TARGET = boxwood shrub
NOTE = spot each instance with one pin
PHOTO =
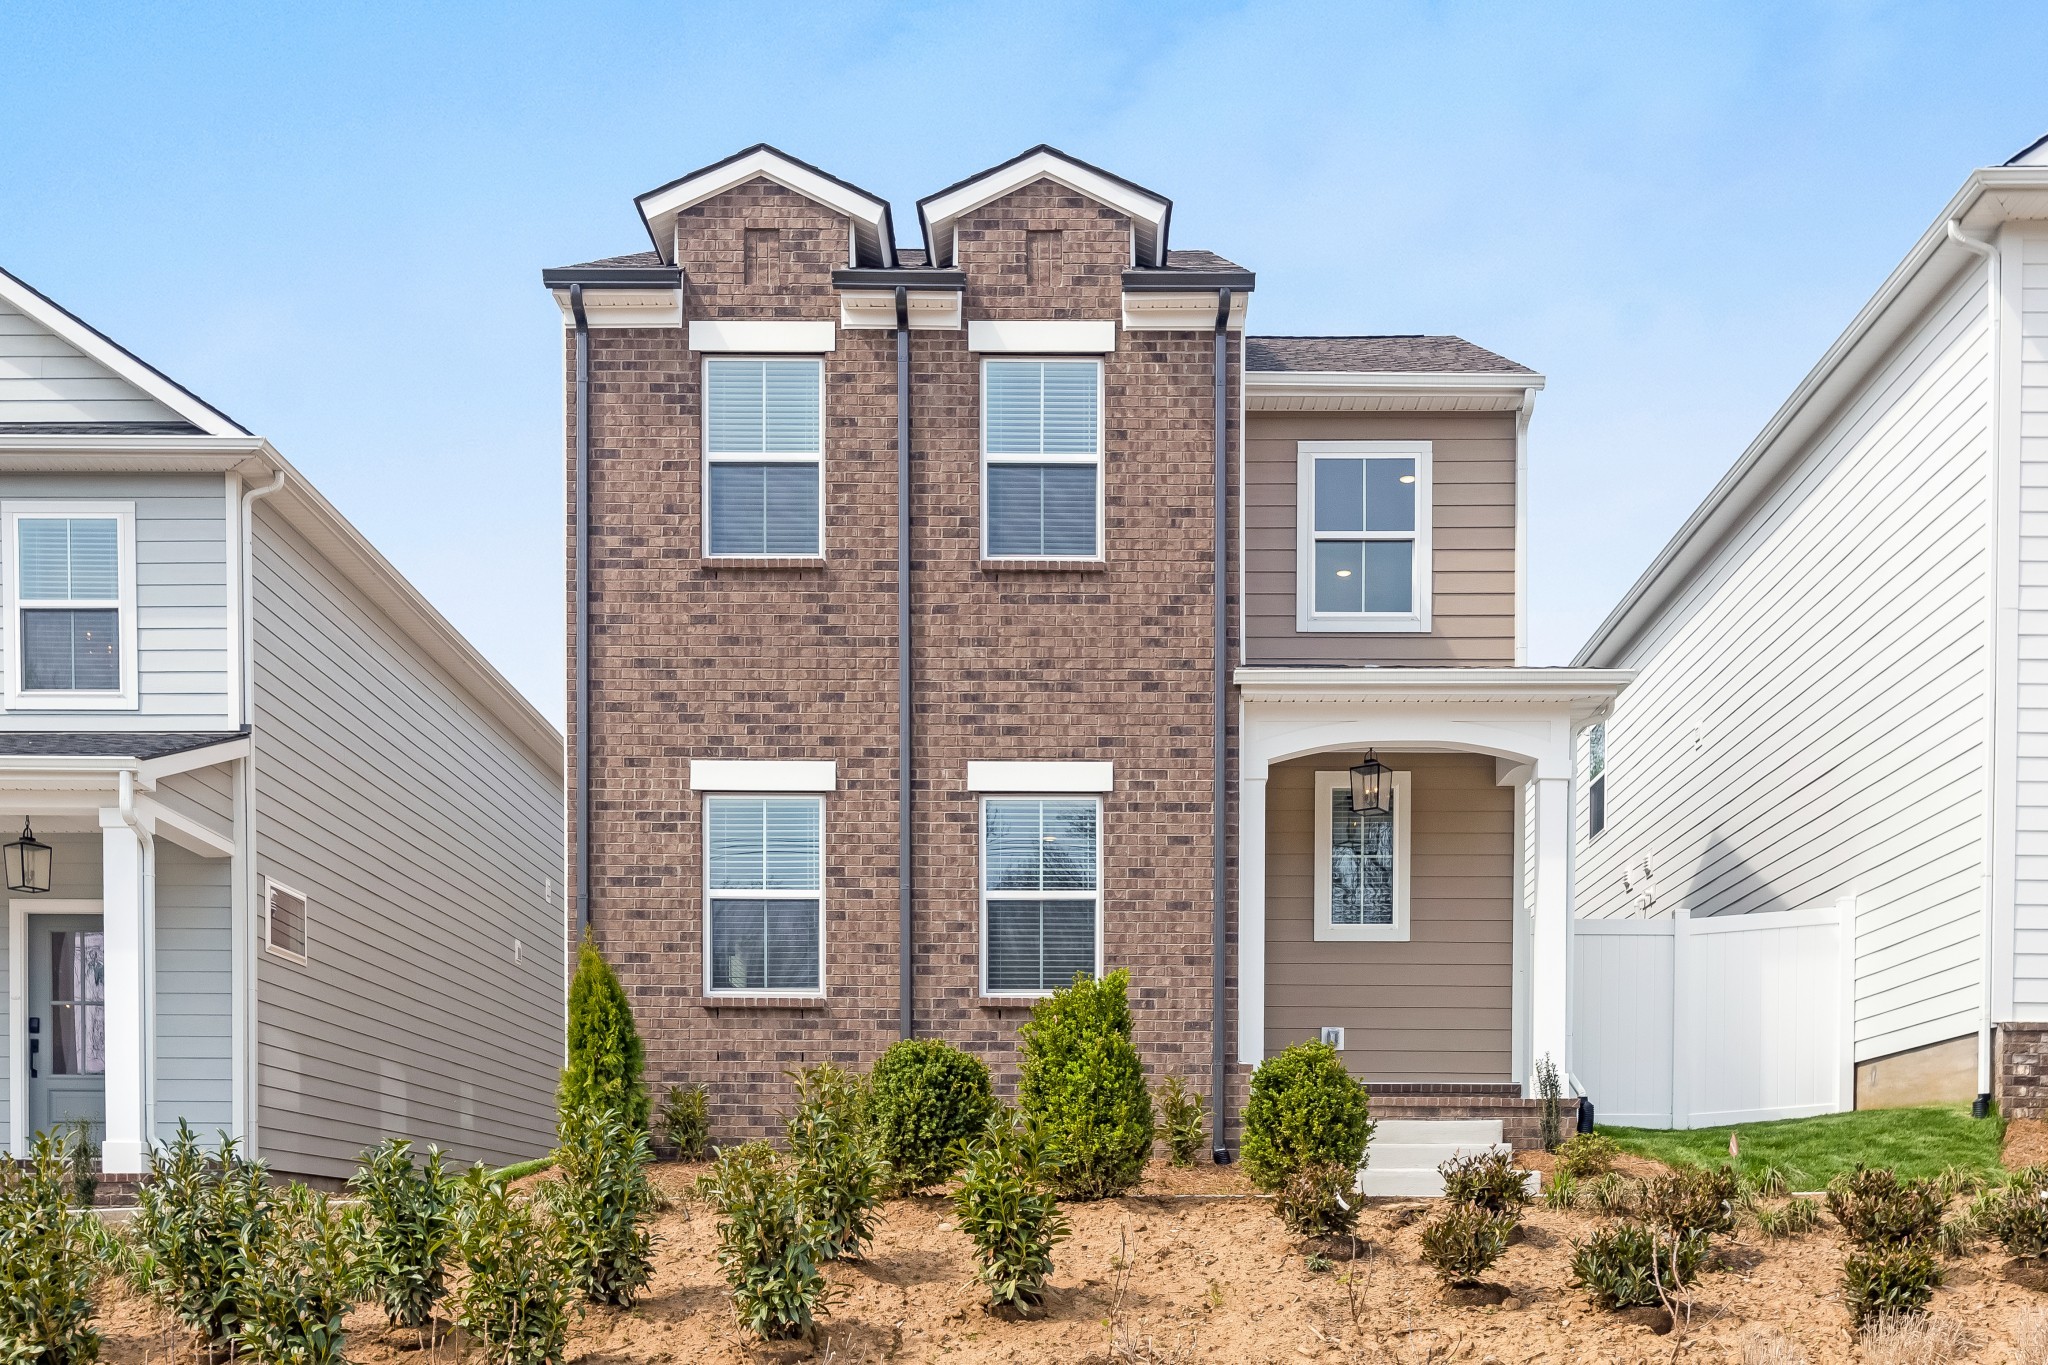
(1305, 1109)
(925, 1096)
(1082, 1080)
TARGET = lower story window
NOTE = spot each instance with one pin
(764, 875)
(1361, 863)
(1041, 892)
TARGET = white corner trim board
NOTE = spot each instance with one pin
(1087, 337)
(780, 337)
(763, 775)
(1041, 777)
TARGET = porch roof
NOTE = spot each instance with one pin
(129, 744)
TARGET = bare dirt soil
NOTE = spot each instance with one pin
(1213, 1277)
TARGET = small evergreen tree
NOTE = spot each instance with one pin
(1082, 1080)
(605, 1054)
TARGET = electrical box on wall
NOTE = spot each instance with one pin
(1334, 1037)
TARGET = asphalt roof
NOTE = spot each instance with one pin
(109, 743)
(1375, 354)
(914, 258)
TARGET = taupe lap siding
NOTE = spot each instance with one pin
(1437, 1007)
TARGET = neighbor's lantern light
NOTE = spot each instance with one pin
(28, 862)
(1370, 790)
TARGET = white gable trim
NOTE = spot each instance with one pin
(1147, 210)
(870, 216)
(75, 333)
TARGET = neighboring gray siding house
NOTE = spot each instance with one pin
(305, 843)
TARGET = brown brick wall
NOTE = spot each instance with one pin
(2022, 1078)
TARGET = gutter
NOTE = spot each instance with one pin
(904, 719)
(580, 783)
(241, 961)
(1220, 798)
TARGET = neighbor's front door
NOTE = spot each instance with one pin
(67, 1022)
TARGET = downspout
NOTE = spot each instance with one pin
(581, 816)
(245, 1040)
(146, 922)
(904, 887)
(1995, 498)
(1220, 798)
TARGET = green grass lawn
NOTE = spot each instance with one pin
(1914, 1142)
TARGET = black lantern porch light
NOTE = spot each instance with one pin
(28, 862)
(1371, 792)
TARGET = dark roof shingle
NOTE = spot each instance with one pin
(108, 743)
(1375, 354)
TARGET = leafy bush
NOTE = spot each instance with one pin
(1623, 1266)
(1888, 1280)
(1464, 1241)
(769, 1245)
(1081, 1078)
(47, 1263)
(82, 1155)
(1181, 1111)
(1487, 1181)
(1550, 1085)
(1691, 1199)
(1876, 1209)
(192, 1219)
(1005, 1207)
(408, 1229)
(1319, 1199)
(686, 1121)
(836, 1167)
(2018, 1217)
(925, 1098)
(300, 1273)
(603, 1202)
(1305, 1109)
(1586, 1154)
(605, 1054)
(515, 1298)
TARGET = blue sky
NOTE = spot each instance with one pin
(328, 220)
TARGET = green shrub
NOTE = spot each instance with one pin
(686, 1121)
(1691, 1199)
(82, 1155)
(925, 1098)
(1585, 1155)
(1562, 1192)
(1181, 1111)
(603, 1202)
(1768, 1182)
(1082, 1080)
(1614, 1194)
(1550, 1085)
(1464, 1241)
(2017, 1216)
(769, 1246)
(1487, 1181)
(837, 1170)
(1623, 1266)
(1305, 1109)
(1006, 1209)
(1319, 1199)
(605, 1054)
(47, 1263)
(408, 1229)
(515, 1297)
(192, 1219)
(1789, 1219)
(1877, 1209)
(1891, 1280)
(300, 1273)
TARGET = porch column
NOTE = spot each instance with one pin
(123, 1151)
(1251, 915)
(1550, 924)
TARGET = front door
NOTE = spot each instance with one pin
(67, 1023)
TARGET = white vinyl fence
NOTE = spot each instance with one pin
(1691, 1023)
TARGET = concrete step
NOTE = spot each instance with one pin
(1473, 1132)
(1423, 1156)
(1405, 1154)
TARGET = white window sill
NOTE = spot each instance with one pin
(71, 701)
(1362, 625)
(1361, 933)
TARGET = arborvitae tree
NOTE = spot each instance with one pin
(605, 1054)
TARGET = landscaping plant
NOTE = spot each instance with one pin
(1889, 1281)
(1462, 1242)
(83, 1156)
(47, 1263)
(408, 1229)
(1635, 1265)
(1585, 1155)
(925, 1099)
(1614, 1194)
(514, 1300)
(1550, 1086)
(605, 1053)
(1877, 1210)
(837, 1170)
(1789, 1219)
(1006, 1209)
(1319, 1199)
(1082, 1080)
(1489, 1182)
(300, 1273)
(769, 1246)
(1562, 1192)
(1181, 1111)
(603, 1203)
(1305, 1109)
(1691, 1200)
(686, 1121)
(192, 1218)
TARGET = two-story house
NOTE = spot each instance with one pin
(949, 620)
(283, 852)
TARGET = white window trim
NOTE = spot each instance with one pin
(12, 513)
(1099, 459)
(711, 457)
(1306, 617)
(983, 894)
(761, 776)
(1327, 785)
(271, 888)
(1026, 778)
(704, 856)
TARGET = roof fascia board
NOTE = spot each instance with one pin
(1372, 381)
(937, 212)
(1470, 685)
(908, 277)
(1141, 280)
(613, 276)
(659, 207)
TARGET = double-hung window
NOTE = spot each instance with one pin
(764, 894)
(1041, 443)
(1041, 897)
(70, 574)
(1361, 863)
(1363, 554)
(764, 422)
(1596, 779)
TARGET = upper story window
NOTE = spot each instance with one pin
(1041, 896)
(1363, 555)
(1596, 779)
(764, 422)
(1041, 443)
(70, 575)
(764, 895)
(1361, 863)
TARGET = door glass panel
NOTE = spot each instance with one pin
(78, 1012)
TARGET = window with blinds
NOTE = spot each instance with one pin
(763, 452)
(1041, 892)
(764, 884)
(1361, 862)
(69, 598)
(1042, 459)
(284, 920)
